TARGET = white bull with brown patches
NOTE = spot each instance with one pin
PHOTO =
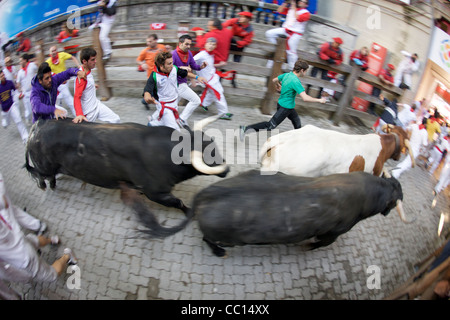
(315, 152)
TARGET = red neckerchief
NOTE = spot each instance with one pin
(184, 56)
(9, 68)
(25, 69)
(159, 72)
(422, 126)
(55, 60)
(412, 110)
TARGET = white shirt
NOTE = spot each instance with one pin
(25, 77)
(10, 75)
(209, 72)
(88, 99)
(292, 23)
(419, 138)
(406, 115)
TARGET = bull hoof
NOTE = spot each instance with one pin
(52, 184)
(218, 251)
(42, 185)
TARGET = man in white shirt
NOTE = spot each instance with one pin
(407, 114)
(409, 65)
(293, 28)
(214, 90)
(87, 106)
(418, 140)
(24, 76)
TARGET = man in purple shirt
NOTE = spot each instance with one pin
(9, 107)
(45, 89)
(183, 59)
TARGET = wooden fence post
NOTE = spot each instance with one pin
(278, 60)
(105, 91)
(347, 95)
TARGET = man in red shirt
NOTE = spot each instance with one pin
(329, 52)
(24, 43)
(223, 36)
(360, 58)
(242, 33)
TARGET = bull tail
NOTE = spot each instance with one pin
(32, 171)
(147, 218)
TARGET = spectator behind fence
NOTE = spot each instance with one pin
(360, 58)
(24, 43)
(329, 52)
(223, 36)
(293, 28)
(242, 33)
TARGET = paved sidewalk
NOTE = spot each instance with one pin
(117, 263)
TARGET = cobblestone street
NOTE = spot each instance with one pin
(117, 262)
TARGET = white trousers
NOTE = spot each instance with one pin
(26, 100)
(105, 28)
(102, 113)
(444, 178)
(435, 159)
(168, 119)
(184, 92)
(14, 113)
(292, 44)
(405, 164)
(65, 95)
(210, 97)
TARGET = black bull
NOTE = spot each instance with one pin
(260, 209)
(106, 155)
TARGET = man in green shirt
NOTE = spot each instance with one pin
(289, 85)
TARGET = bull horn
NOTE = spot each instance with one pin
(200, 165)
(408, 146)
(199, 125)
(386, 173)
(401, 212)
